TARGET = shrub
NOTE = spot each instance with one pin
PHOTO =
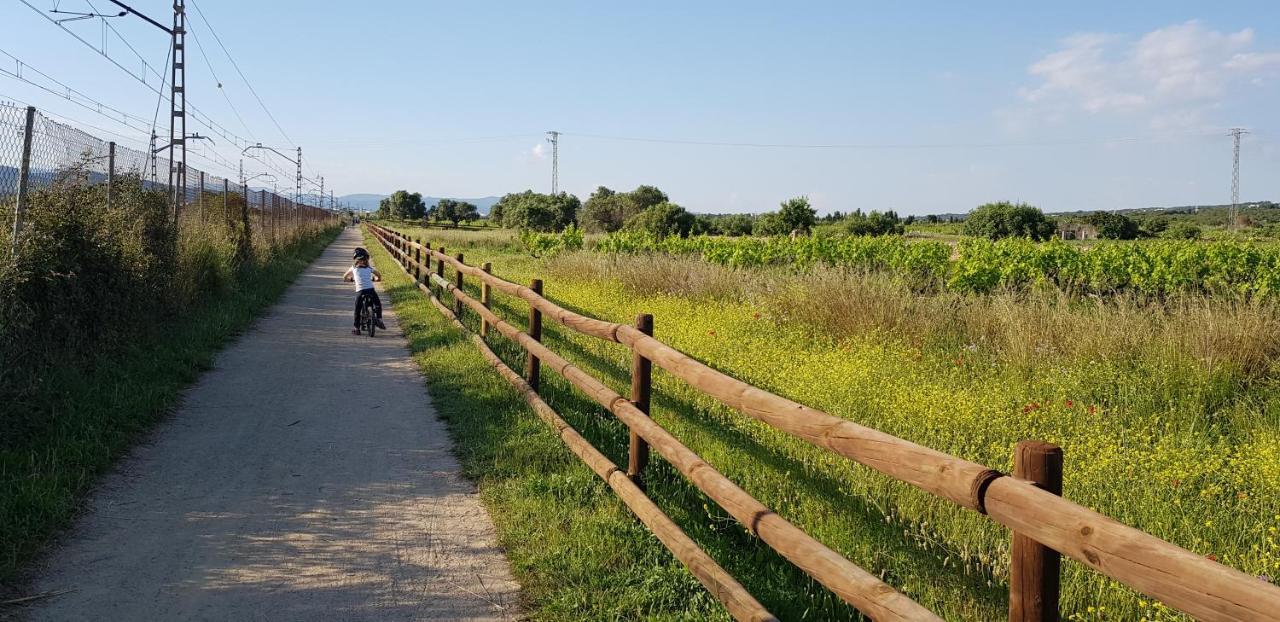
(874, 223)
(1008, 220)
(1183, 231)
(662, 220)
(1113, 226)
(536, 211)
(550, 244)
(797, 215)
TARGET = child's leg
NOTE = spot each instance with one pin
(377, 304)
(359, 300)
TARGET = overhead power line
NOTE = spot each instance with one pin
(216, 79)
(194, 113)
(70, 94)
(238, 71)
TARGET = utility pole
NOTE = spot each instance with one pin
(1235, 134)
(177, 103)
(178, 109)
(320, 203)
(554, 138)
(298, 189)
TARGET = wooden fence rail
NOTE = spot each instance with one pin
(1181, 579)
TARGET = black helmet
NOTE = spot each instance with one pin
(360, 253)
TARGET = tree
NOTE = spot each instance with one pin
(646, 197)
(874, 223)
(662, 220)
(770, 224)
(796, 215)
(606, 211)
(402, 205)
(736, 225)
(1008, 220)
(536, 211)
(1113, 226)
(467, 212)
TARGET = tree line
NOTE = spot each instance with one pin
(649, 209)
(405, 205)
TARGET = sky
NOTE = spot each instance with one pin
(925, 107)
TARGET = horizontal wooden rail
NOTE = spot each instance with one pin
(1188, 582)
(735, 598)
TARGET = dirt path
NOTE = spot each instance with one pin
(304, 478)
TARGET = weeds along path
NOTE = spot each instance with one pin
(306, 477)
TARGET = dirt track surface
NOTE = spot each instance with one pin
(305, 478)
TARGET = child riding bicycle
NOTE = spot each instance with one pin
(363, 275)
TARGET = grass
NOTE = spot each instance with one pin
(91, 416)
(1179, 402)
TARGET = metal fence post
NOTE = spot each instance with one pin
(641, 388)
(111, 173)
(532, 366)
(200, 197)
(1034, 569)
(24, 174)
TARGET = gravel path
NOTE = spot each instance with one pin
(305, 478)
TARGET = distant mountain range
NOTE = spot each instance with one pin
(369, 202)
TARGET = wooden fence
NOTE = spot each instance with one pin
(1028, 502)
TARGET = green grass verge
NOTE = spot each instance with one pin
(96, 414)
(576, 550)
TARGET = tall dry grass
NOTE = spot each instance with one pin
(1235, 336)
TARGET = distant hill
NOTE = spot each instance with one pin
(370, 202)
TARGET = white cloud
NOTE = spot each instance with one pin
(1171, 74)
(539, 152)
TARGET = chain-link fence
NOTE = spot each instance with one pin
(37, 152)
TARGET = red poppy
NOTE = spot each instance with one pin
(1093, 409)
(1211, 557)
(712, 333)
(756, 315)
(1069, 403)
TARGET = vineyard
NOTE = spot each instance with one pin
(1153, 268)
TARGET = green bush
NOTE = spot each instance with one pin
(875, 223)
(1002, 219)
(662, 220)
(1183, 231)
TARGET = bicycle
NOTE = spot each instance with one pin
(367, 317)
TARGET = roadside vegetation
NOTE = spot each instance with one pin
(1167, 407)
(107, 314)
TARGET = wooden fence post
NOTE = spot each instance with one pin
(457, 302)
(24, 175)
(417, 264)
(440, 264)
(641, 387)
(533, 367)
(484, 298)
(1035, 569)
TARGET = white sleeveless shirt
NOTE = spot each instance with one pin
(363, 278)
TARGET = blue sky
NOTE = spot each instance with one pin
(1085, 105)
